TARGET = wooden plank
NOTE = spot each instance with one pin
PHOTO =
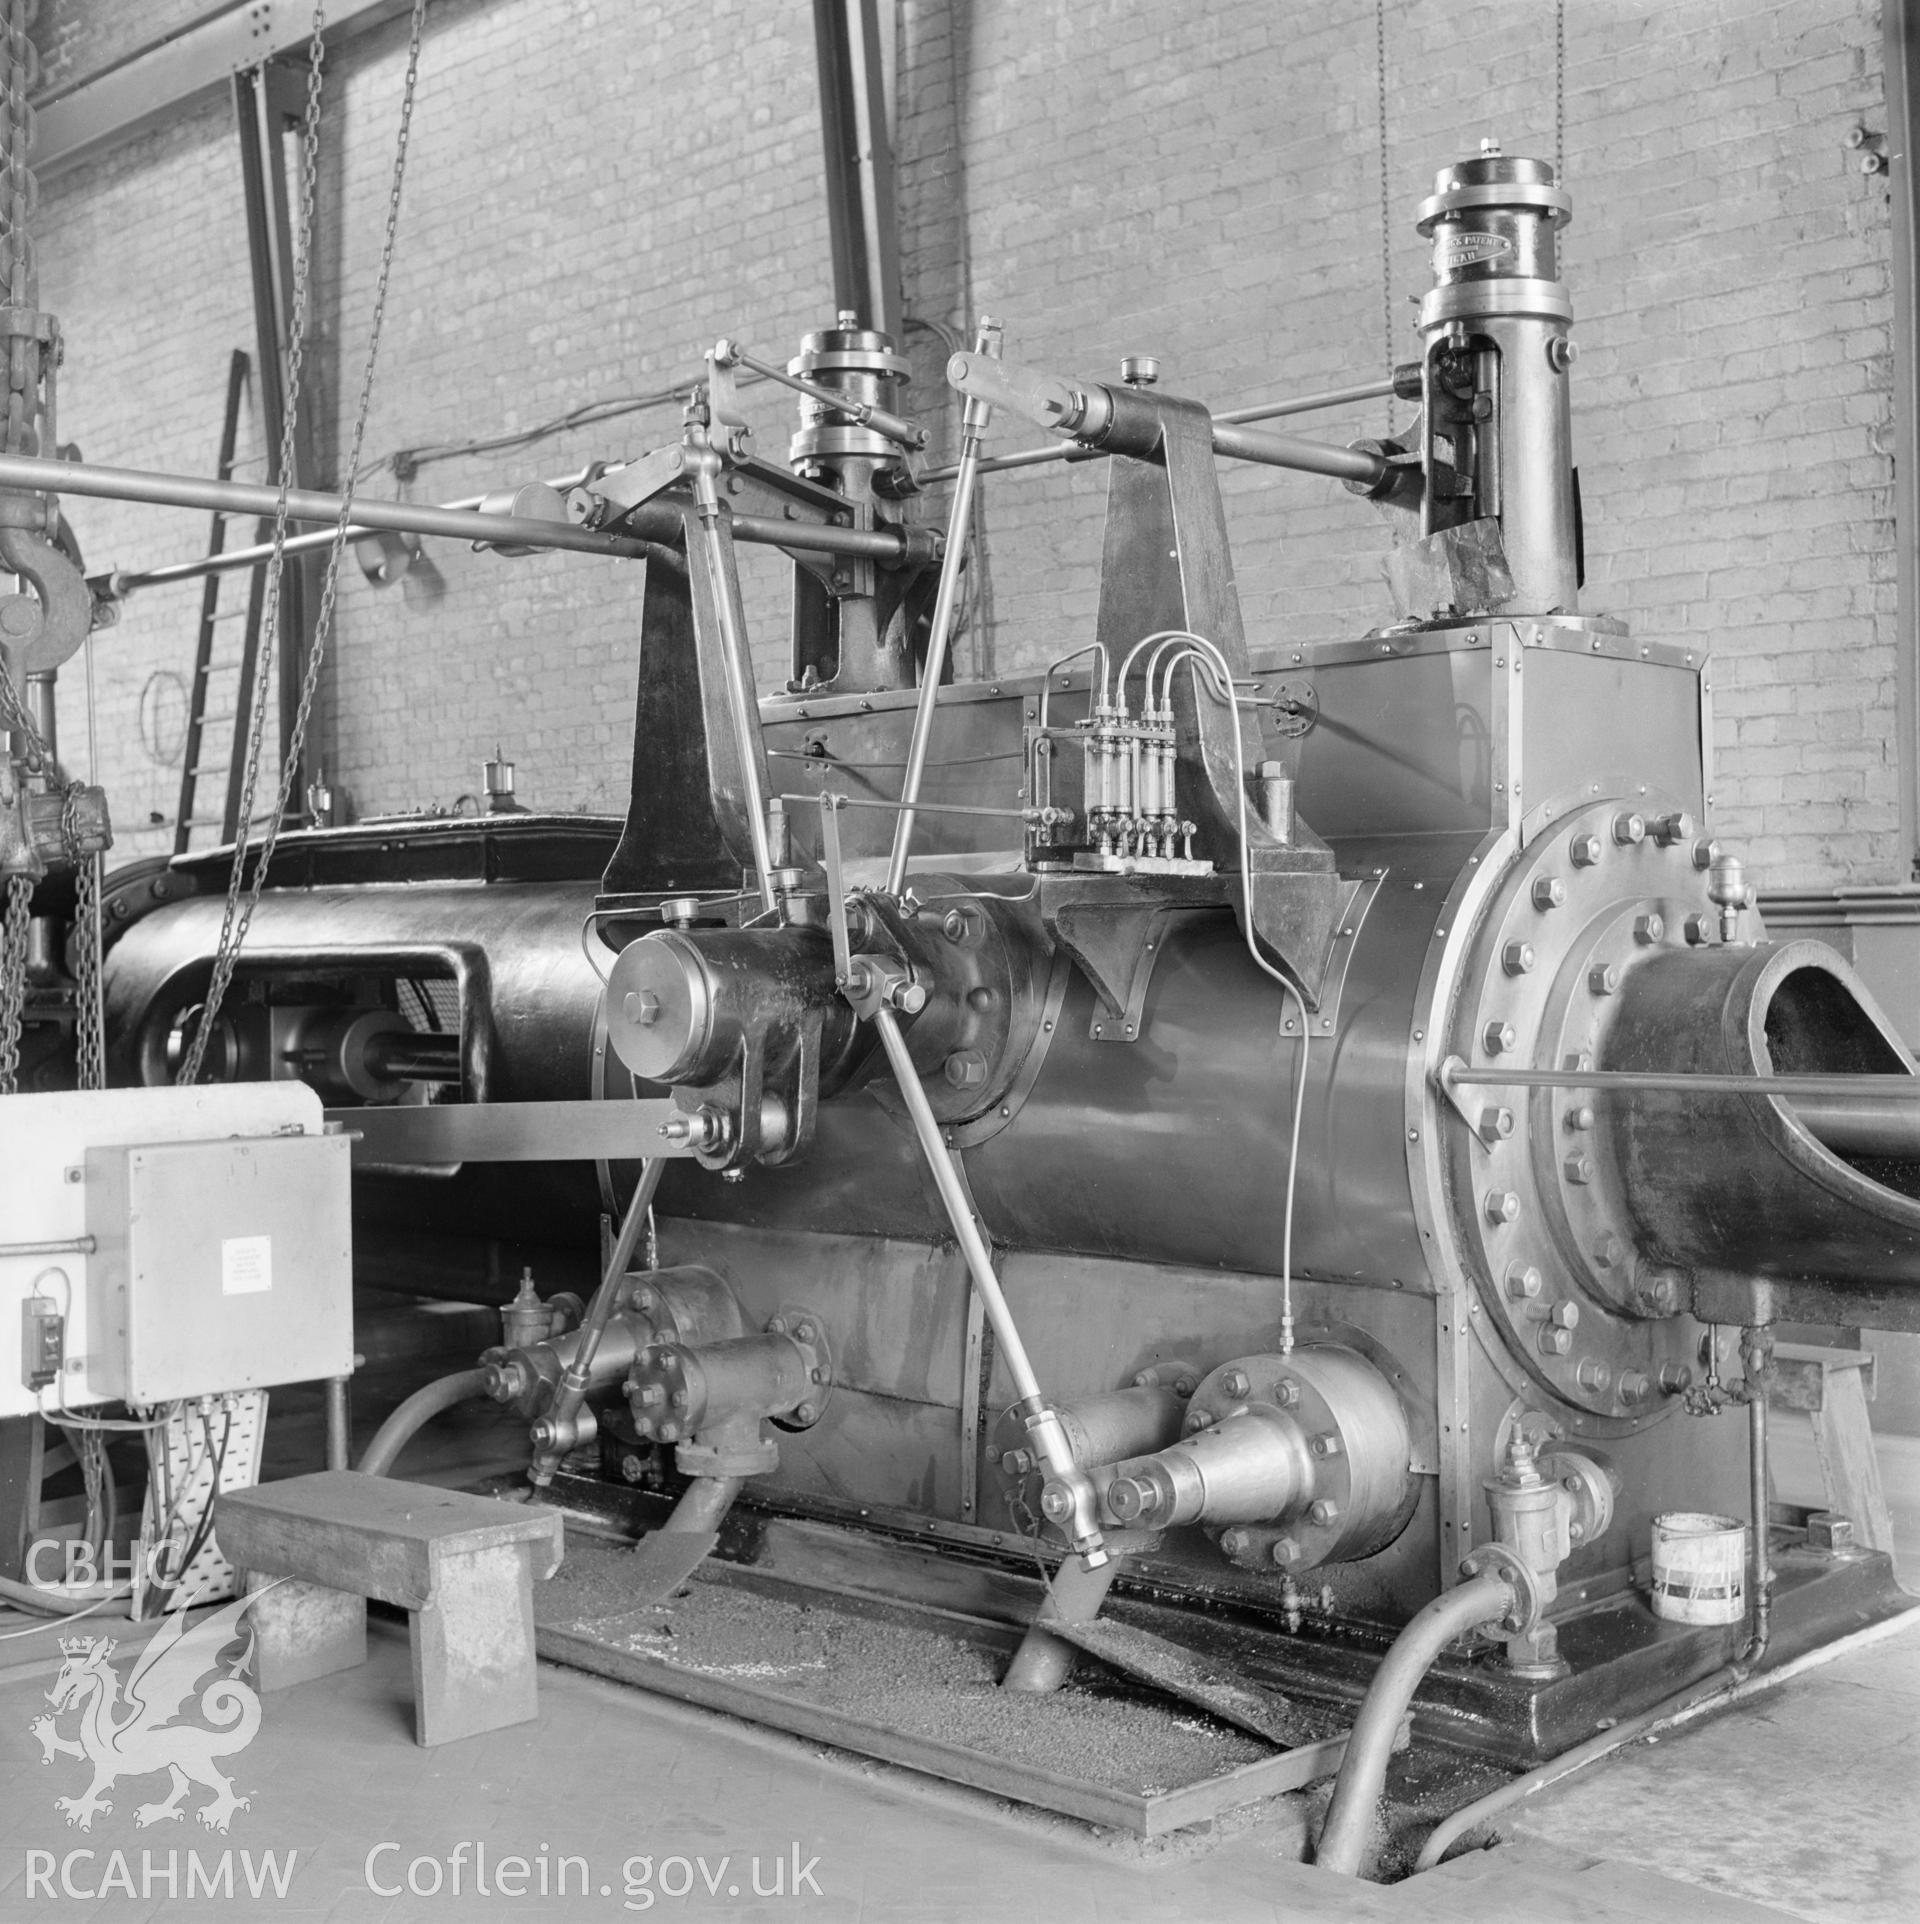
(374, 1535)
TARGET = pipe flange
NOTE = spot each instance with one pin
(807, 1331)
(1496, 1560)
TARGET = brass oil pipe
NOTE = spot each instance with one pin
(975, 418)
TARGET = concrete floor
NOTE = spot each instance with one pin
(1800, 1804)
(1803, 1802)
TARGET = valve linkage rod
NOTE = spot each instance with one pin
(410, 517)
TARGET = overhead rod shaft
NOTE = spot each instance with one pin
(650, 524)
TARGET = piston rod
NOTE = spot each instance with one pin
(1231, 418)
(1454, 1074)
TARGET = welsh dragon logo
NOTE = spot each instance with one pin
(134, 1734)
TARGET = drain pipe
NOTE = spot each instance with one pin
(1730, 1684)
(415, 1414)
(1472, 1605)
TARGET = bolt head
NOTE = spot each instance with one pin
(1503, 1206)
(1235, 1383)
(1564, 1315)
(1649, 929)
(632, 1467)
(806, 1413)
(1496, 1124)
(1017, 1462)
(909, 997)
(1705, 853)
(1286, 1553)
(1593, 1374)
(1578, 1168)
(1608, 1250)
(1286, 1393)
(1585, 850)
(1523, 1281)
(805, 1332)
(1517, 958)
(1055, 1503)
(1698, 929)
(1580, 1116)
(1234, 1543)
(678, 1399)
(1322, 1510)
(953, 925)
(669, 1432)
(1196, 1420)
(1675, 1378)
(1677, 827)
(1603, 978)
(1634, 1387)
(1549, 892)
(1498, 1037)
(642, 1007)
(1129, 1497)
(1629, 828)
(1326, 1444)
(652, 1395)
(1555, 1342)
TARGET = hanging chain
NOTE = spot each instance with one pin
(237, 916)
(1560, 92)
(1386, 204)
(13, 978)
(17, 264)
(89, 1031)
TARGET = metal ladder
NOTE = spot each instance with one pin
(206, 664)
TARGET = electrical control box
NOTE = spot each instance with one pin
(163, 1243)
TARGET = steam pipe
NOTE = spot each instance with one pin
(415, 1414)
(1363, 1770)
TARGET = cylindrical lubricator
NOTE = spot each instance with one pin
(1497, 420)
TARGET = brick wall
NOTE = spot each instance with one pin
(599, 188)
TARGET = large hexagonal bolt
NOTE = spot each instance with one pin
(963, 925)
(1235, 1543)
(1564, 1316)
(1603, 978)
(1326, 1444)
(1698, 929)
(1549, 892)
(1675, 1379)
(1649, 929)
(1669, 829)
(1608, 1250)
(1498, 1038)
(1286, 1553)
(1629, 828)
(1593, 1375)
(1634, 1388)
(1580, 1116)
(1523, 1281)
(1503, 1206)
(1235, 1383)
(1517, 958)
(1056, 1501)
(1704, 853)
(1578, 1168)
(1555, 1342)
(1496, 1123)
(966, 1068)
(1323, 1510)
(1286, 1393)
(641, 1007)
(1586, 850)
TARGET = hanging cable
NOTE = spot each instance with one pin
(237, 914)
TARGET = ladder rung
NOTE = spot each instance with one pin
(217, 715)
(227, 614)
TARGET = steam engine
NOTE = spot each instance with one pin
(1262, 1121)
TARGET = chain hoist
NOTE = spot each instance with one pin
(243, 889)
